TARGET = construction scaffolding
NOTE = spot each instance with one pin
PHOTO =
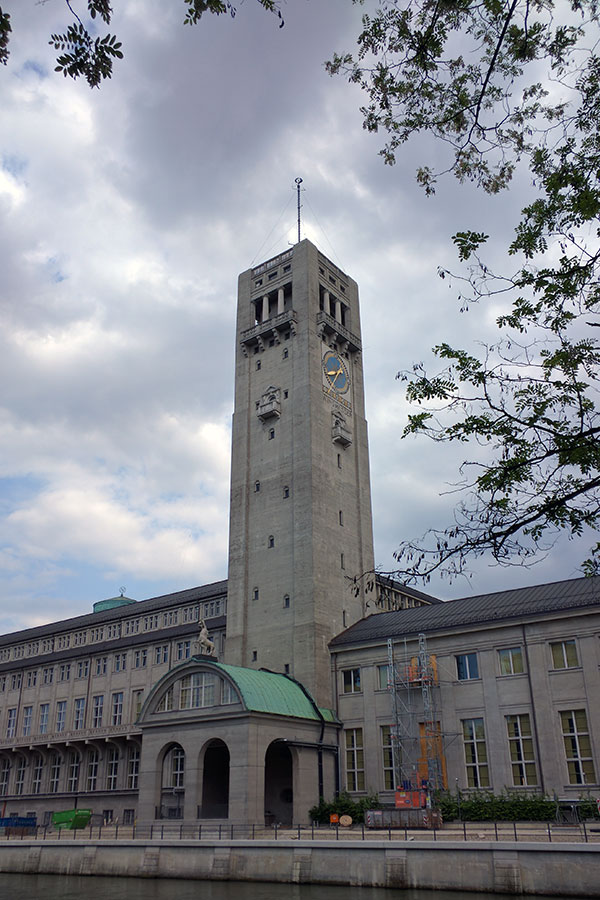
(416, 740)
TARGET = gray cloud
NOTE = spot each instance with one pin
(125, 217)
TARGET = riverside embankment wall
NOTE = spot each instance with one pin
(513, 868)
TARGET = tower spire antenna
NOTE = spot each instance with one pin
(298, 183)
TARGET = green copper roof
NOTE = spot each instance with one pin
(112, 603)
(272, 693)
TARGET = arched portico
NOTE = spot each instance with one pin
(249, 746)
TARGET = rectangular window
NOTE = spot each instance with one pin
(213, 608)
(64, 672)
(120, 662)
(92, 771)
(177, 767)
(478, 775)
(132, 626)
(128, 816)
(54, 772)
(20, 776)
(36, 780)
(578, 747)
(351, 679)
(170, 618)
(133, 768)
(64, 641)
(73, 772)
(15, 681)
(79, 714)
(355, 763)
(48, 675)
(97, 710)
(101, 665)
(27, 719)
(79, 638)
(196, 691)
(11, 722)
(112, 769)
(564, 655)
(467, 666)
(161, 654)
(184, 649)
(511, 661)
(61, 715)
(137, 701)
(83, 668)
(190, 614)
(382, 677)
(113, 631)
(44, 715)
(2, 683)
(387, 757)
(117, 708)
(140, 658)
(520, 743)
(4, 776)
(151, 622)
(32, 678)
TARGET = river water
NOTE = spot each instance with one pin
(62, 887)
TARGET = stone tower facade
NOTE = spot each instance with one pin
(300, 519)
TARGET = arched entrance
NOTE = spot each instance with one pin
(172, 783)
(279, 784)
(215, 781)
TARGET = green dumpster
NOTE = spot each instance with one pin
(71, 818)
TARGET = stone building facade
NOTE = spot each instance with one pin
(514, 681)
(248, 699)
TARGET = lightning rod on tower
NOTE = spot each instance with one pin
(298, 183)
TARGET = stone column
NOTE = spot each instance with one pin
(280, 301)
(338, 311)
(265, 309)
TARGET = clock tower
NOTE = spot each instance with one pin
(300, 520)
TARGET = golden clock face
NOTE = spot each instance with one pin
(336, 377)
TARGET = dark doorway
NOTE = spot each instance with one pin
(279, 785)
(215, 781)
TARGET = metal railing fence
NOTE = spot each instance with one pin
(546, 832)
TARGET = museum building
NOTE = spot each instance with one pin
(246, 700)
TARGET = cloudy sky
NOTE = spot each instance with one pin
(126, 214)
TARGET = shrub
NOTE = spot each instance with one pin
(343, 805)
(483, 806)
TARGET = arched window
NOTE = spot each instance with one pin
(271, 542)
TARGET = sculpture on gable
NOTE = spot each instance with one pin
(206, 647)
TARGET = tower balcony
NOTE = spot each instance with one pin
(329, 327)
(270, 328)
(341, 434)
(269, 406)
